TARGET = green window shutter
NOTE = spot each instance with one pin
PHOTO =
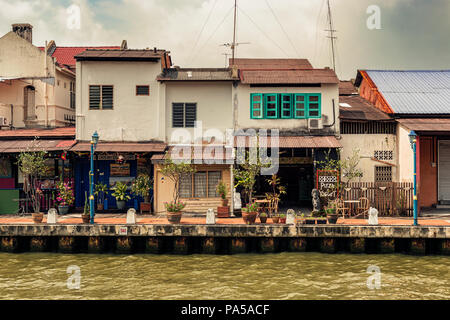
(286, 106)
(271, 105)
(314, 103)
(256, 106)
(299, 105)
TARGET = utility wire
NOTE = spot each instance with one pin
(201, 31)
(215, 30)
(317, 31)
(282, 28)
(262, 31)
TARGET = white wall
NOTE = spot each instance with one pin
(328, 93)
(213, 100)
(133, 118)
(405, 159)
(367, 144)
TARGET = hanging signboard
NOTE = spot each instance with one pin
(126, 157)
(119, 170)
(327, 183)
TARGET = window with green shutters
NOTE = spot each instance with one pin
(256, 106)
(314, 106)
(285, 105)
(271, 105)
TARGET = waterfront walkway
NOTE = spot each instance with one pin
(150, 219)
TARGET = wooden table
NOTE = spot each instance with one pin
(352, 205)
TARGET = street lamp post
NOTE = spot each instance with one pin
(94, 142)
(412, 140)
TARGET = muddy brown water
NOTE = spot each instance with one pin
(243, 276)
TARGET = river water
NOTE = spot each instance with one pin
(246, 276)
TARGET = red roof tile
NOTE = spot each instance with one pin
(31, 133)
(266, 64)
(121, 147)
(65, 55)
(288, 76)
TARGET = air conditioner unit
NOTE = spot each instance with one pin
(315, 124)
(3, 121)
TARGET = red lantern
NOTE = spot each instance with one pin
(64, 156)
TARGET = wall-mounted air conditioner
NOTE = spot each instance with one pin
(315, 124)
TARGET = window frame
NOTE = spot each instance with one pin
(266, 109)
(143, 95)
(100, 106)
(192, 179)
(319, 108)
(252, 105)
(282, 108)
(184, 113)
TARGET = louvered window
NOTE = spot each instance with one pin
(142, 90)
(184, 115)
(101, 97)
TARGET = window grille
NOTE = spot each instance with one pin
(383, 174)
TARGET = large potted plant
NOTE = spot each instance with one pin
(31, 164)
(64, 197)
(141, 187)
(85, 216)
(120, 193)
(331, 212)
(224, 210)
(175, 171)
(249, 213)
(101, 191)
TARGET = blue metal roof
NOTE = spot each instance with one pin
(414, 91)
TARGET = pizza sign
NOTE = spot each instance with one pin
(327, 183)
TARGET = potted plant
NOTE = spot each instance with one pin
(249, 213)
(141, 187)
(310, 220)
(31, 164)
(221, 189)
(85, 216)
(120, 193)
(101, 190)
(331, 212)
(301, 219)
(275, 218)
(321, 220)
(174, 211)
(175, 171)
(282, 218)
(263, 217)
(64, 197)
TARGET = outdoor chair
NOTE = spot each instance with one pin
(363, 206)
(340, 207)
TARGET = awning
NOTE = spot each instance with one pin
(121, 147)
(16, 146)
(426, 124)
(314, 142)
(206, 153)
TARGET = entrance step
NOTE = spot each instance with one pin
(443, 206)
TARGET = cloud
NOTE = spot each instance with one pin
(414, 33)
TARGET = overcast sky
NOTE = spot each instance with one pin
(414, 34)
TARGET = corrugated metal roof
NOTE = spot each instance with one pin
(196, 74)
(16, 146)
(121, 147)
(414, 92)
(357, 108)
(265, 64)
(114, 55)
(347, 88)
(426, 124)
(288, 76)
(294, 142)
(31, 133)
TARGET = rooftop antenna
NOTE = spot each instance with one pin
(331, 36)
(233, 45)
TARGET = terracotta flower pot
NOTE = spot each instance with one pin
(100, 206)
(37, 217)
(275, 219)
(85, 218)
(249, 217)
(263, 219)
(145, 206)
(174, 217)
(332, 218)
(282, 220)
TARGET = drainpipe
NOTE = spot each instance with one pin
(45, 86)
(231, 190)
(334, 118)
(11, 125)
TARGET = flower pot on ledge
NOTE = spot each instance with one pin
(223, 212)
(249, 217)
(174, 217)
(145, 207)
(37, 217)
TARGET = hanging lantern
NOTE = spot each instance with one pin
(64, 156)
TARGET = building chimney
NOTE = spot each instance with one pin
(23, 30)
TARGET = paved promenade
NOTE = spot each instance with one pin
(150, 219)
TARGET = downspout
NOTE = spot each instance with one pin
(11, 125)
(45, 86)
(334, 118)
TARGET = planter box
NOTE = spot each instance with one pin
(145, 207)
(223, 212)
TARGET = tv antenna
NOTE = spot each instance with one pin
(331, 36)
(234, 44)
